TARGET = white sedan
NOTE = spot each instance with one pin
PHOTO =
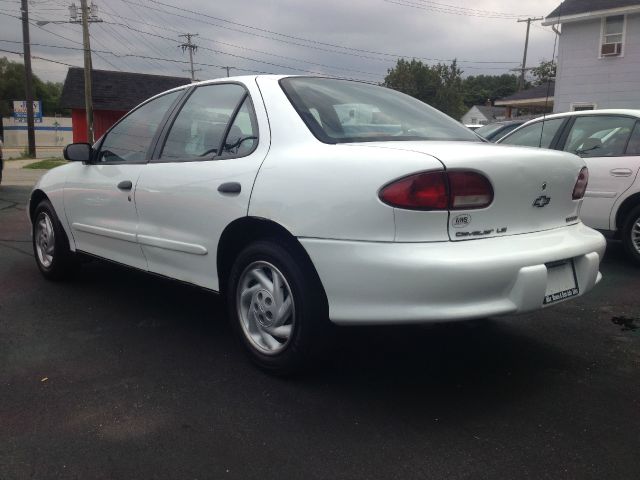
(609, 143)
(309, 200)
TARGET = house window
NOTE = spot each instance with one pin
(612, 36)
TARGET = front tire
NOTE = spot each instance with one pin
(277, 306)
(631, 235)
(50, 244)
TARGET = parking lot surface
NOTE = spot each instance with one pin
(117, 374)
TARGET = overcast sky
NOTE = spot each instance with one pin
(350, 38)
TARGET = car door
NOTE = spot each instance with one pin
(98, 196)
(601, 140)
(200, 180)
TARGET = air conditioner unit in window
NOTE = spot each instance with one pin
(611, 49)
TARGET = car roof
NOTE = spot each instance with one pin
(609, 111)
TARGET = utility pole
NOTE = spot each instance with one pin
(227, 69)
(88, 97)
(526, 46)
(192, 48)
(28, 85)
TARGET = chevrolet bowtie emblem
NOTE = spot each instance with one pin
(541, 201)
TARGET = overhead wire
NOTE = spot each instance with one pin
(362, 53)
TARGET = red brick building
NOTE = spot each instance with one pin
(114, 94)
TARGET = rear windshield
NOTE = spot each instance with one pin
(341, 111)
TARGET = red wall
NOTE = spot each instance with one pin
(102, 121)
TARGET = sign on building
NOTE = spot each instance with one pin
(20, 111)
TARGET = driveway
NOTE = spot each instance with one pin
(14, 173)
(120, 375)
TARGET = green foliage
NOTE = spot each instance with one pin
(12, 78)
(544, 72)
(443, 87)
(46, 164)
(480, 88)
(439, 85)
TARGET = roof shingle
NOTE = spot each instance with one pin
(115, 90)
(536, 92)
(574, 7)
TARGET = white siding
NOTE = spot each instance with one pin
(471, 114)
(608, 82)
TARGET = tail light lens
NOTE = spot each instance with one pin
(456, 190)
(469, 190)
(424, 191)
(581, 184)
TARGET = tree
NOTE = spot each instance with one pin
(12, 79)
(480, 88)
(544, 72)
(439, 85)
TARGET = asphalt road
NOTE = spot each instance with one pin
(121, 375)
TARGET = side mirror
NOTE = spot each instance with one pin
(78, 152)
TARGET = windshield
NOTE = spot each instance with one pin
(341, 111)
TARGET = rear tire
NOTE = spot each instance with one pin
(277, 307)
(631, 235)
(50, 244)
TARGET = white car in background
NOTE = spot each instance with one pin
(609, 143)
(306, 200)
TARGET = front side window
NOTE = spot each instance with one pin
(129, 140)
(199, 128)
(539, 134)
(341, 111)
(612, 35)
(599, 136)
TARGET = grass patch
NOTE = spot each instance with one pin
(47, 164)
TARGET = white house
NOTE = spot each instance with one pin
(482, 115)
(598, 55)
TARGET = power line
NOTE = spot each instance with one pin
(454, 10)
(262, 52)
(349, 50)
(39, 58)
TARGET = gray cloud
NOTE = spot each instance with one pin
(371, 25)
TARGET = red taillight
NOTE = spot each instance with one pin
(424, 191)
(456, 190)
(581, 184)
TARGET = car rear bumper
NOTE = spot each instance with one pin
(386, 283)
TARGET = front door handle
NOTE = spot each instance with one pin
(230, 187)
(125, 185)
(621, 172)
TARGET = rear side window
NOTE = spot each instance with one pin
(199, 128)
(539, 134)
(633, 148)
(341, 111)
(599, 136)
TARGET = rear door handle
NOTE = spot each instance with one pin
(621, 172)
(230, 187)
(125, 185)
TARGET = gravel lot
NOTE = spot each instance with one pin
(121, 375)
